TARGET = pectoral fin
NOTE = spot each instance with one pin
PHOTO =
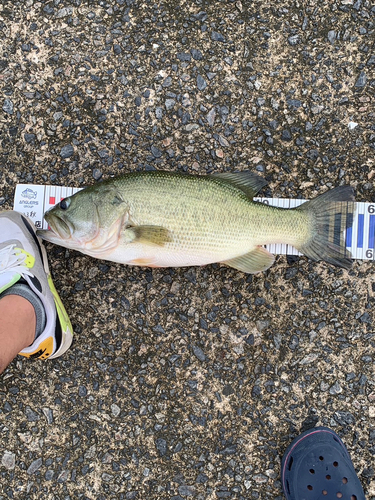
(149, 235)
(253, 262)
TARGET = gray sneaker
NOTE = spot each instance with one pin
(23, 258)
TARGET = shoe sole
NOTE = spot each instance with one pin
(66, 326)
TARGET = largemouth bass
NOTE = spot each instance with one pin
(164, 219)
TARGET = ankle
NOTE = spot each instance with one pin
(18, 314)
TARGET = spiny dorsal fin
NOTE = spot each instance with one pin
(248, 182)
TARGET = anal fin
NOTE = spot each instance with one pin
(253, 262)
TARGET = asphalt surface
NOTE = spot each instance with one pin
(189, 383)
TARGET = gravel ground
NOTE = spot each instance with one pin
(189, 383)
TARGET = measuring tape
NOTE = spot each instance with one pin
(34, 200)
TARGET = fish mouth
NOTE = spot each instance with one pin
(60, 229)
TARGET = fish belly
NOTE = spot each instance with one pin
(170, 255)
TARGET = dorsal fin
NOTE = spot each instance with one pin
(248, 182)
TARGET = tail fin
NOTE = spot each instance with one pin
(330, 214)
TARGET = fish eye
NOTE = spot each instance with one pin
(64, 204)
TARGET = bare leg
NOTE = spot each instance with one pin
(17, 327)
(33, 321)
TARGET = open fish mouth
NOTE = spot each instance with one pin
(59, 228)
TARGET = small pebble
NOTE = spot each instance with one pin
(361, 81)
(116, 410)
(211, 117)
(331, 36)
(201, 83)
(117, 49)
(156, 153)
(31, 415)
(161, 446)
(169, 103)
(286, 135)
(29, 138)
(8, 460)
(184, 56)
(67, 151)
(8, 106)
(335, 388)
(217, 37)
(197, 54)
(294, 40)
(34, 466)
(97, 174)
(352, 125)
(199, 353)
(82, 391)
(186, 491)
(65, 11)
